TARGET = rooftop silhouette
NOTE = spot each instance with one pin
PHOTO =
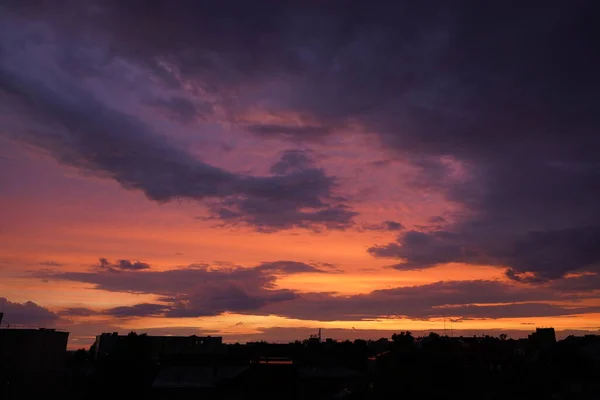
(35, 361)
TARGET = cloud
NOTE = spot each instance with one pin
(294, 132)
(26, 314)
(195, 291)
(465, 299)
(291, 267)
(292, 160)
(51, 264)
(206, 291)
(284, 213)
(180, 109)
(78, 312)
(585, 283)
(123, 265)
(437, 219)
(532, 256)
(552, 254)
(521, 310)
(138, 310)
(383, 226)
(421, 250)
(393, 225)
(495, 105)
(80, 131)
(441, 87)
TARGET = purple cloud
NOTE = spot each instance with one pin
(138, 310)
(205, 291)
(292, 160)
(383, 226)
(82, 132)
(195, 291)
(26, 314)
(293, 267)
(464, 299)
(543, 255)
(122, 265)
(179, 109)
(422, 250)
(514, 144)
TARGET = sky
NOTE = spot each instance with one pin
(259, 170)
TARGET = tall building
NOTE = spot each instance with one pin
(32, 349)
(543, 338)
(31, 359)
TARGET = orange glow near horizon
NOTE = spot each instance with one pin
(76, 220)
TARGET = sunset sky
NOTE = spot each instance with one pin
(258, 170)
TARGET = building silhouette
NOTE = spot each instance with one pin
(31, 358)
(155, 347)
(543, 338)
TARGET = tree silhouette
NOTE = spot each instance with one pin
(433, 335)
(404, 338)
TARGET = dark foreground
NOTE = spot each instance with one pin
(426, 368)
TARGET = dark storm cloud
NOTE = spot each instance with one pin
(422, 250)
(26, 314)
(80, 131)
(508, 91)
(87, 134)
(551, 254)
(584, 283)
(541, 255)
(283, 214)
